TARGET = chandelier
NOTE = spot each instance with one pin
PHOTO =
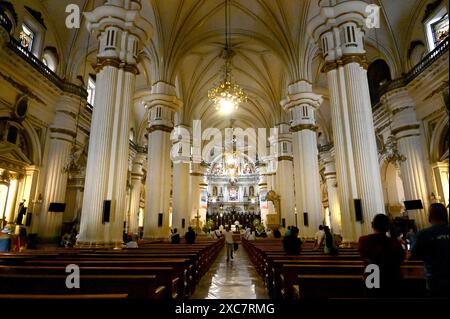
(393, 154)
(227, 95)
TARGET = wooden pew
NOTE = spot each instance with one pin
(166, 276)
(135, 286)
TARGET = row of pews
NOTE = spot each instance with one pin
(155, 270)
(314, 275)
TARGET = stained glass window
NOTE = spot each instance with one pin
(26, 37)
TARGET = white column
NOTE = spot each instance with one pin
(121, 30)
(135, 197)
(339, 30)
(302, 104)
(406, 130)
(62, 133)
(332, 191)
(284, 173)
(181, 162)
(163, 104)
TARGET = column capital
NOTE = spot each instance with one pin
(299, 94)
(120, 29)
(339, 28)
(163, 95)
(162, 103)
(402, 108)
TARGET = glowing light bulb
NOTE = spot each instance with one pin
(226, 106)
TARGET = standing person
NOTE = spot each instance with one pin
(319, 236)
(229, 242)
(22, 212)
(190, 236)
(329, 247)
(385, 252)
(431, 246)
(175, 238)
(410, 238)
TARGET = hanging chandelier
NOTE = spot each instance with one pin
(227, 95)
(392, 153)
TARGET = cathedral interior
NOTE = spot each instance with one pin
(128, 119)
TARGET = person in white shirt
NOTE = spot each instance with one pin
(229, 243)
(319, 236)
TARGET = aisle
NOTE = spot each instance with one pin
(236, 279)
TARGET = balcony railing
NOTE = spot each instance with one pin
(38, 65)
(428, 60)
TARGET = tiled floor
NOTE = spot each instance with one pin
(236, 279)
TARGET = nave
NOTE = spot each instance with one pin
(235, 279)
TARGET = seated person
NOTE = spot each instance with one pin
(276, 233)
(175, 237)
(329, 247)
(292, 244)
(190, 236)
(133, 242)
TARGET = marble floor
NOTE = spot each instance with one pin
(235, 279)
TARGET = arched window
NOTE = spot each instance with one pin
(91, 91)
(50, 58)
(377, 74)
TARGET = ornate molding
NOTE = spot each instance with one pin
(301, 127)
(163, 128)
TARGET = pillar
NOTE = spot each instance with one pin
(120, 30)
(62, 133)
(406, 130)
(162, 104)
(135, 197)
(327, 159)
(339, 30)
(181, 161)
(284, 173)
(302, 104)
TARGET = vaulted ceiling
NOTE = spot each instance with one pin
(269, 38)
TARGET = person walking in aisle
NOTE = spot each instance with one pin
(229, 242)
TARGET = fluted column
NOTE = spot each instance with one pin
(121, 30)
(181, 161)
(332, 191)
(338, 28)
(302, 104)
(163, 104)
(196, 180)
(135, 197)
(284, 173)
(406, 130)
(62, 133)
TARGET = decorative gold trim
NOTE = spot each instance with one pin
(132, 68)
(284, 158)
(358, 58)
(102, 62)
(302, 127)
(63, 131)
(164, 128)
(400, 109)
(329, 66)
(405, 136)
(195, 174)
(405, 128)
